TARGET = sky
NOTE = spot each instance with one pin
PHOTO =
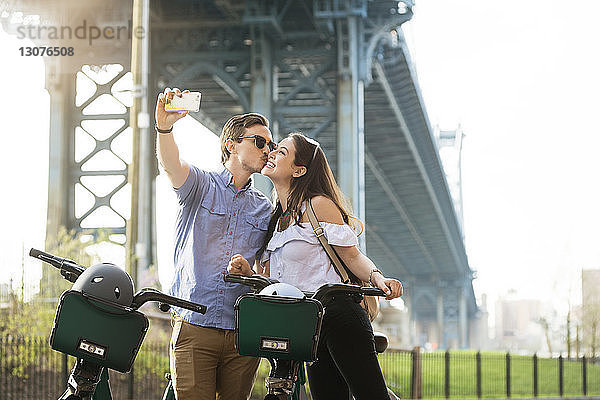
(24, 112)
(521, 79)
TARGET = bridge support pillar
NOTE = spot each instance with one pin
(60, 196)
(350, 115)
(408, 302)
(261, 91)
(462, 318)
(451, 338)
(440, 317)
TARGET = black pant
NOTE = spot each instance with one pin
(347, 359)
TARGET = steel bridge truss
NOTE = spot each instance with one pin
(336, 70)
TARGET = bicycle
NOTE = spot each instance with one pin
(263, 328)
(97, 322)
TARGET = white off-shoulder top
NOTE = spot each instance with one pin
(298, 258)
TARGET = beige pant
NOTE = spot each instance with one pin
(205, 364)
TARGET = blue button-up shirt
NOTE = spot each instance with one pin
(214, 222)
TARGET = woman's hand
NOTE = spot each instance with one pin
(238, 265)
(391, 287)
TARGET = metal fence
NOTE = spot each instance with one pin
(29, 369)
(470, 374)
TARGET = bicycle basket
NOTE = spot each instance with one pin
(107, 335)
(278, 327)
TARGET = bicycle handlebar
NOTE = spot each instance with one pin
(256, 282)
(149, 294)
(259, 282)
(331, 289)
(69, 269)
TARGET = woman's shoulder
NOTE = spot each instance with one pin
(326, 210)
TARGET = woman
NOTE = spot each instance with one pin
(347, 360)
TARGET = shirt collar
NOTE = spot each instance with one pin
(227, 178)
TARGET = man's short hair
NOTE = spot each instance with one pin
(235, 127)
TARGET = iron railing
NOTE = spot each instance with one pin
(473, 374)
(29, 369)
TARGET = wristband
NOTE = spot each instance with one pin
(371, 275)
(163, 130)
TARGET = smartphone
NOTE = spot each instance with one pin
(187, 102)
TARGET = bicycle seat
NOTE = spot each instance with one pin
(381, 342)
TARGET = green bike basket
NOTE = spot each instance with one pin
(107, 335)
(278, 327)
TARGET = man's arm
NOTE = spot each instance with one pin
(166, 149)
(168, 156)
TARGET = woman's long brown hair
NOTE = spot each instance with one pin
(317, 181)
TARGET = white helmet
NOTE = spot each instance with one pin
(283, 289)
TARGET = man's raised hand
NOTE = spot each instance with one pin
(166, 119)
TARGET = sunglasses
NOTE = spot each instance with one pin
(260, 142)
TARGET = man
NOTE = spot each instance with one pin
(220, 214)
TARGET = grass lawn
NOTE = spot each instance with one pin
(397, 368)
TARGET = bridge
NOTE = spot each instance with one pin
(336, 70)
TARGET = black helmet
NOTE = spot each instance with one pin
(108, 282)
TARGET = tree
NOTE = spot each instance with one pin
(591, 323)
(35, 317)
(67, 244)
(543, 321)
(569, 332)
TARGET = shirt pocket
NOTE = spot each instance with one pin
(256, 231)
(213, 214)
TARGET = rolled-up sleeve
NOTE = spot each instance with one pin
(193, 187)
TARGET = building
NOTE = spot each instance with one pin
(394, 322)
(518, 327)
(590, 287)
(590, 310)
